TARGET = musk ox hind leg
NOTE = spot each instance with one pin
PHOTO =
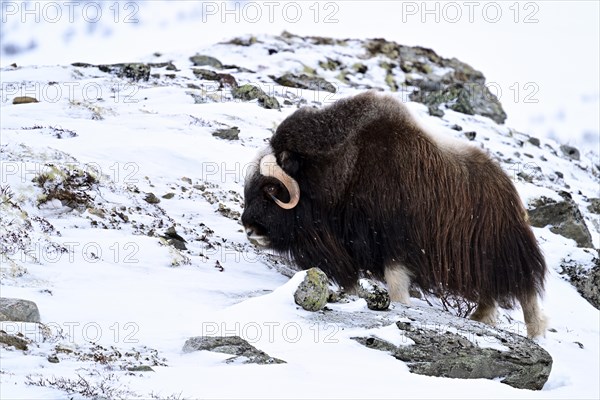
(486, 313)
(397, 278)
(535, 320)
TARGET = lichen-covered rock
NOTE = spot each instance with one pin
(515, 360)
(563, 217)
(304, 81)
(313, 291)
(376, 296)
(461, 88)
(18, 310)
(240, 349)
(249, 92)
(134, 71)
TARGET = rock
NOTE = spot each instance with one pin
(228, 133)
(151, 198)
(206, 74)
(456, 127)
(249, 92)
(461, 87)
(374, 293)
(199, 60)
(585, 278)
(594, 206)
(228, 212)
(313, 291)
(570, 152)
(534, 141)
(304, 81)
(563, 217)
(173, 238)
(53, 359)
(513, 359)
(18, 341)
(240, 349)
(168, 196)
(223, 79)
(18, 310)
(433, 343)
(24, 100)
(471, 135)
(140, 368)
(134, 71)
(471, 99)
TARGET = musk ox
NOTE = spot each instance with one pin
(360, 186)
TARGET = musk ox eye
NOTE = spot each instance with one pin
(271, 190)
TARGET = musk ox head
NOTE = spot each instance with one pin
(270, 196)
(308, 166)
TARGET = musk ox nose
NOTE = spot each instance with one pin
(256, 238)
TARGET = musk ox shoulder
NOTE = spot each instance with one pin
(360, 186)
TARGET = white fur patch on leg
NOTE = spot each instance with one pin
(397, 278)
(535, 320)
(485, 313)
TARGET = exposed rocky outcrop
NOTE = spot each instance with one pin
(304, 81)
(563, 217)
(585, 278)
(436, 343)
(242, 351)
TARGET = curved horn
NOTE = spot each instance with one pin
(269, 167)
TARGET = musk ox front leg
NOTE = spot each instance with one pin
(397, 278)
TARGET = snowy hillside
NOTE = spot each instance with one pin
(121, 196)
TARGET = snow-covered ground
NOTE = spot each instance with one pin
(119, 284)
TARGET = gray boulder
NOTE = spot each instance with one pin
(240, 349)
(18, 310)
(200, 60)
(563, 217)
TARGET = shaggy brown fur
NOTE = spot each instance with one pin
(377, 191)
